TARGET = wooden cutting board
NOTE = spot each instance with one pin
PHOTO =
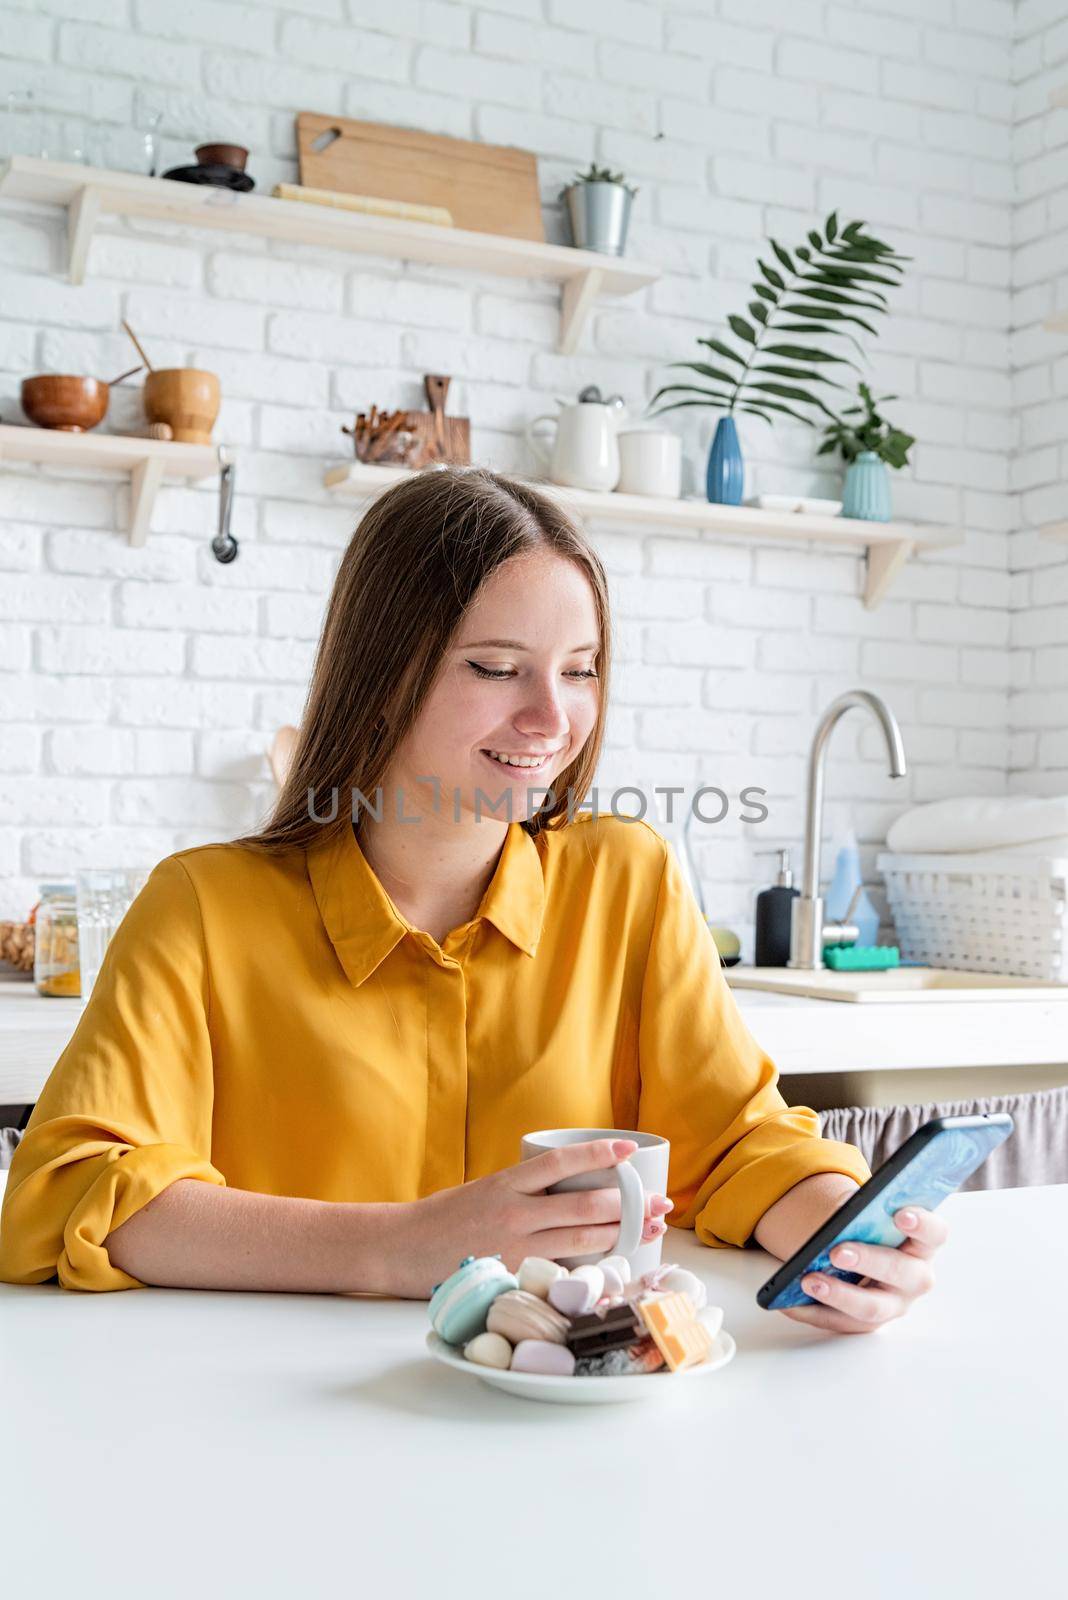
(486, 187)
(441, 438)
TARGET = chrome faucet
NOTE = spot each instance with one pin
(807, 932)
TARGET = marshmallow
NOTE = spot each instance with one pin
(536, 1275)
(594, 1276)
(574, 1296)
(712, 1317)
(677, 1280)
(537, 1355)
(618, 1264)
(489, 1350)
(613, 1283)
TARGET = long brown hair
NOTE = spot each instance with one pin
(412, 569)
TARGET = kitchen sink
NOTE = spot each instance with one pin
(901, 984)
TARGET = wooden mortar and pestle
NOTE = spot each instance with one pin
(186, 399)
(66, 403)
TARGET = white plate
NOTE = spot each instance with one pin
(796, 503)
(583, 1391)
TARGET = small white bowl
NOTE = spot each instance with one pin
(584, 1391)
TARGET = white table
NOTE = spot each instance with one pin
(161, 1443)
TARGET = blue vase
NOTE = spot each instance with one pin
(867, 489)
(726, 469)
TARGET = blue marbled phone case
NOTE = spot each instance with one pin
(940, 1166)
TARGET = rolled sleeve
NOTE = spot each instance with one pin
(127, 1109)
(736, 1146)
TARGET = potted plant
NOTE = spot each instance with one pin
(820, 291)
(598, 204)
(868, 446)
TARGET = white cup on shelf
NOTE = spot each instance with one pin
(650, 463)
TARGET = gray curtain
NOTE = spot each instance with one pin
(1037, 1151)
(9, 1138)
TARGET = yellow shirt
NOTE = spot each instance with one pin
(278, 1025)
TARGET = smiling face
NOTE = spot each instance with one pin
(535, 697)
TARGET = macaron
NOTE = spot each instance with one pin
(458, 1307)
(489, 1350)
(519, 1315)
(538, 1355)
(536, 1274)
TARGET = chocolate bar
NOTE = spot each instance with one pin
(592, 1333)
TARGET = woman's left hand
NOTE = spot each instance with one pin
(894, 1278)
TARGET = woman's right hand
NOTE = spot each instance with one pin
(510, 1214)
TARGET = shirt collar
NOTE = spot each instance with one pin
(364, 925)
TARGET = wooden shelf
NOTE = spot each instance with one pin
(888, 544)
(147, 462)
(88, 193)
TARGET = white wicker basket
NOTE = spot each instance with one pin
(1002, 912)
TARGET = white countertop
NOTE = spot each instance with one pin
(800, 1035)
(185, 1443)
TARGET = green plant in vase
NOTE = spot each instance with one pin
(868, 445)
(778, 362)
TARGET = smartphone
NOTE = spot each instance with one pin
(932, 1162)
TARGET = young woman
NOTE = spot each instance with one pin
(311, 1053)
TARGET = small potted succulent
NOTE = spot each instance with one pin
(869, 445)
(598, 204)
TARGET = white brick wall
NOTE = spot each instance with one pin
(1038, 603)
(140, 689)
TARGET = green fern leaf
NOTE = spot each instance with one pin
(783, 257)
(829, 313)
(722, 349)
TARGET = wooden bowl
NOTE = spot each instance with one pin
(186, 399)
(223, 155)
(68, 404)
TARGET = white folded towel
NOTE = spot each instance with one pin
(1027, 824)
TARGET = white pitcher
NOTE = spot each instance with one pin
(585, 452)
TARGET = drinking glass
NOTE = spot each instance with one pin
(104, 895)
(148, 115)
(19, 133)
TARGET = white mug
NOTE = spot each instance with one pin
(643, 1172)
(585, 452)
(650, 463)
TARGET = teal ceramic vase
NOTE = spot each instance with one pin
(866, 495)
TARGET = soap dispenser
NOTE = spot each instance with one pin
(773, 915)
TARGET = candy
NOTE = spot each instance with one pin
(535, 1275)
(578, 1293)
(672, 1321)
(537, 1355)
(670, 1279)
(593, 1276)
(617, 1264)
(489, 1350)
(519, 1315)
(613, 1282)
(633, 1359)
(597, 1332)
(458, 1307)
(712, 1317)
